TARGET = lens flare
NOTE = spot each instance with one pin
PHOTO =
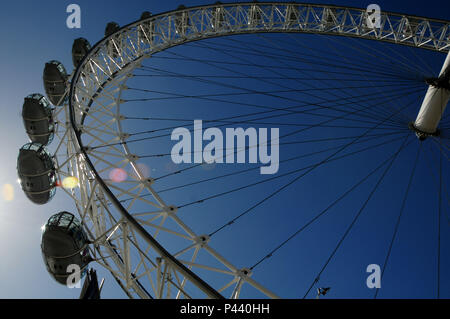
(118, 175)
(143, 169)
(8, 192)
(70, 182)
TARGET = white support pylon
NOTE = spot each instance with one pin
(434, 103)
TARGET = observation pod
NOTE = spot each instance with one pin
(111, 27)
(146, 32)
(55, 82)
(254, 16)
(292, 15)
(37, 115)
(80, 48)
(64, 243)
(146, 15)
(328, 18)
(181, 21)
(37, 173)
(218, 16)
(113, 44)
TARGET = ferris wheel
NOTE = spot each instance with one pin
(105, 142)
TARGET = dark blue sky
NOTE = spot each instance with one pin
(35, 32)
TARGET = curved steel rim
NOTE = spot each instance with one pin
(180, 267)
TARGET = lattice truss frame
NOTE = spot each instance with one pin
(124, 241)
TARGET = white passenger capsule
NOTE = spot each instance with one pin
(64, 244)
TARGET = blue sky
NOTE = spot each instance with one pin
(35, 32)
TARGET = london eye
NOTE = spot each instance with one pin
(343, 163)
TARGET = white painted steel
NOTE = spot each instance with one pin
(125, 240)
(433, 105)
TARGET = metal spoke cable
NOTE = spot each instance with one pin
(232, 221)
(328, 139)
(270, 70)
(300, 57)
(337, 52)
(371, 147)
(339, 117)
(402, 117)
(312, 126)
(243, 77)
(396, 94)
(308, 111)
(376, 76)
(436, 175)
(402, 67)
(238, 48)
(302, 130)
(355, 218)
(296, 58)
(244, 122)
(350, 63)
(363, 66)
(159, 70)
(363, 69)
(394, 97)
(174, 96)
(429, 72)
(402, 208)
(405, 61)
(288, 160)
(327, 209)
(439, 230)
(369, 61)
(254, 91)
(442, 148)
(280, 137)
(383, 56)
(282, 175)
(309, 168)
(251, 63)
(440, 189)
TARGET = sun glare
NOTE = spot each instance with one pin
(8, 192)
(70, 182)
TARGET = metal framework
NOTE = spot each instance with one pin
(126, 241)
